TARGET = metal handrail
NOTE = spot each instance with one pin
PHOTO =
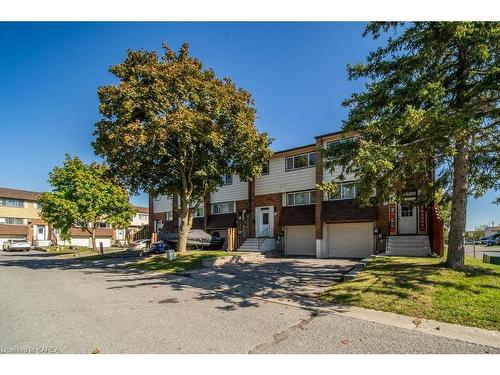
(263, 235)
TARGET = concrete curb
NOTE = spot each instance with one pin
(458, 332)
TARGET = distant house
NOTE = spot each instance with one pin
(20, 219)
(492, 230)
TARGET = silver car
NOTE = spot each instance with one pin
(16, 245)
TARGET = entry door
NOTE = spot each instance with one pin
(407, 219)
(40, 233)
(265, 222)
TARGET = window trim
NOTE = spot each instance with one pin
(340, 183)
(200, 207)
(3, 203)
(224, 180)
(265, 173)
(212, 205)
(4, 222)
(311, 193)
(309, 165)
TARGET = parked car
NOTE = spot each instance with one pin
(140, 244)
(493, 240)
(16, 245)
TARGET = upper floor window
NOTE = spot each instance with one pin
(300, 198)
(227, 179)
(157, 198)
(222, 208)
(11, 202)
(143, 217)
(300, 161)
(265, 168)
(168, 216)
(346, 190)
(199, 211)
(103, 225)
(342, 140)
(12, 221)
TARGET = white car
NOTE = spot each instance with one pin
(16, 245)
(139, 244)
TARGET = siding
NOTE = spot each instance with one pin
(280, 181)
(163, 205)
(237, 191)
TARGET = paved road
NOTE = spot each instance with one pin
(480, 250)
(80, 307)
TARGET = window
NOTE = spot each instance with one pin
(265, 168)
(300, 161)
(102, 225)
(143, 217)
(340, 141)
(227, 179)
(157, 198)
(346, 190)
(12, 221)
(300, 198)
(168, 216)
(199, 211)
(11, 202)
(222, 208)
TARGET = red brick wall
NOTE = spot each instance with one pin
(383, 220)
(274, 200)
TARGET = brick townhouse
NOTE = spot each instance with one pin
(283, 209)
(20, 219)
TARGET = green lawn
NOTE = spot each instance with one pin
(423, 288)
(190, 260)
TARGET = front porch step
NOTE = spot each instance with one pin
(252, 245)
(408, 245)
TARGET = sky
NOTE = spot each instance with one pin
(50, 72)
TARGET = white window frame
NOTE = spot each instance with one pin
(199, 211)
(266, 164)
(311, 200)
(309, 159)
(3, 220)
(221, 210)
(143, 216)
(14, 203)
(341, 196)
(227, 179)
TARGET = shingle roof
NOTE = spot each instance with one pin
(19, 194)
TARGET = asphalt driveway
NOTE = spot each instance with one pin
(69, 306)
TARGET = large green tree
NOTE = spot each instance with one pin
(84, 196)
(171, 126)
(430, 102)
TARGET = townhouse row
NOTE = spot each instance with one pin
(20, 220)
(283, 209)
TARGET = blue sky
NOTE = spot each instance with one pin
(49, 74)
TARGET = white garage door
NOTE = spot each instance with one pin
(106, 242)
(80, 242)
(353, 240)
(300, 240)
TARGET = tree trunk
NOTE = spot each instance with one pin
(456, 250)
(186, 223)
(93, 239)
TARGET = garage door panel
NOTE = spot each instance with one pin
(350, 240)
(300, 240)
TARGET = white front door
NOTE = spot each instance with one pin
(40, 233)
(407, 219)
(265, 221)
